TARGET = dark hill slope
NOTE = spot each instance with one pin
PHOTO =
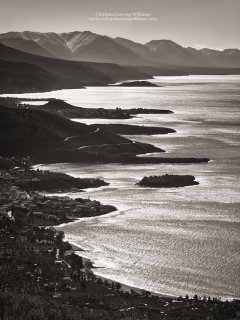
(24, 77)
(48, 137)
(74, 74)
(24, 132)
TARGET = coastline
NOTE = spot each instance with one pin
(124, 287)
(78, 250)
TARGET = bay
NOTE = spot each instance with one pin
(170, 241)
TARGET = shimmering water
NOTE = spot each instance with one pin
(171, 241)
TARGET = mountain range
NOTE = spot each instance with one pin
(88, 46)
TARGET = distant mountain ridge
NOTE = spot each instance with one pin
(28, 46)
(88, 46)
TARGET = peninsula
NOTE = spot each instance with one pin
(47, 137)
(18, 186)
(67, 110)
(39, 180)
(134, 129)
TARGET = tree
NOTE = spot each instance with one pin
(106, 283)
(113, 286)
(76, 261)
(59, 237)
(51, 233)
(99, 281)
(195, 297)
(88, 264)
(118, 286)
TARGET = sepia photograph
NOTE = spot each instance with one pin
(119, 160)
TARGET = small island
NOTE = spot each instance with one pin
(137, 84)
(168, 181)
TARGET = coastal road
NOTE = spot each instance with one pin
(83, 135)
(68, 138)
(95, 145)
(105, 144)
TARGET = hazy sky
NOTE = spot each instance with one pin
(212, 23)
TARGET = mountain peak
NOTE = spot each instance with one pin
(162, 43)
(231, 51)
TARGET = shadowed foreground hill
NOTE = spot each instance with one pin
(49, 137)
(24, 131)
(16, 77)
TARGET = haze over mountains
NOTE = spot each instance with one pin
(35, 61)
(88, 46)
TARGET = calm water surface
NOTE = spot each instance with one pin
(171, 241)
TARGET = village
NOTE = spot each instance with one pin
(33, 208)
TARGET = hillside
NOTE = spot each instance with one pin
(65, 74)
(17, 77)
(226, 58)
(24, 130)
(49, 137)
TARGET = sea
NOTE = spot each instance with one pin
(173, 241)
